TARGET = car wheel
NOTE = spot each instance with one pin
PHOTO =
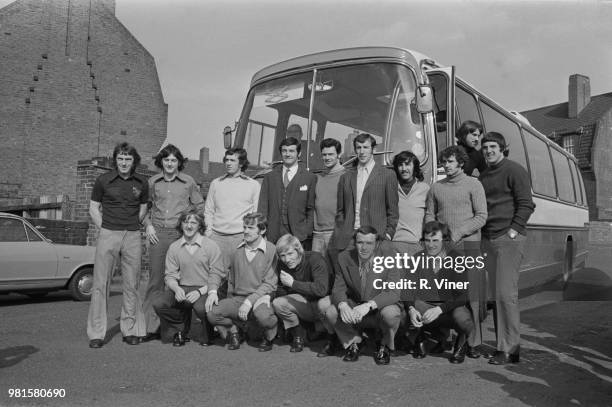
(81, 284)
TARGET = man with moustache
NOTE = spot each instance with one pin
(118, 205)
(171, 192)
(287, 197)
(510, 204)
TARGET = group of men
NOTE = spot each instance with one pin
(301, 249)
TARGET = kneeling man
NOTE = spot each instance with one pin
(360, 301)
(304, 280)
(251, 280)
(441, 293)
(190, 262)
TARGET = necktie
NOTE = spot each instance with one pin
(286, 178)
(363, 274)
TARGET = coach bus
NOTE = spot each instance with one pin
(408, 101)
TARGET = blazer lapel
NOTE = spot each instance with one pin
(372, 177)
(354, 271)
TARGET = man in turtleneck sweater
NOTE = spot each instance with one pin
(459, 201)
(510, 204)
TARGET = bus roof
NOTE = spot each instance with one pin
(411, 57)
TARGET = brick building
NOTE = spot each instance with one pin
(73, 82)
(583, 126)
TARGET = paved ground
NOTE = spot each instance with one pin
(566, 360)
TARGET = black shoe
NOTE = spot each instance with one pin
(131, 340)
(297, 345)
(233, 341)
(383, 355)
(96, 343)
(419, 351)
(503, 358)
(352, 353)
(265, 345)
(330, 348)
(460, 349)
(151, 336)
(472, 352)
(179, 339)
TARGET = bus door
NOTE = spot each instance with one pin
(442, 81)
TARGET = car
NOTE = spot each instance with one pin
(32, 264)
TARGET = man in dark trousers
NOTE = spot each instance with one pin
(287, 197)
(509, 206)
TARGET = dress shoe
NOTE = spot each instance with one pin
(179, 339)
(352, 353)
(96, 343)
(503, 358)
(151, 336)
(330, 348)
(419, 351)
(265, 345)
(131, 340)
(472, 352)
(383, 355)
(297, 345)
(460, 349)
(233, 341)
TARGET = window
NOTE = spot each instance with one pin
(496, 121)
(32, 236)
(575, 177)
(563, 176)
(542, 175)
(12, 230)
(439, 86)
(466, 106)
(569, 143)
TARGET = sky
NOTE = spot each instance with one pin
(519, 53)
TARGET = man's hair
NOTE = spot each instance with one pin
(457, 151)
(170, 149)
(256, 218)
(466, 128)
(290, 141)
(287, 242)
(362, 138)
(295, 128)
(331, 142)
(242, 157)
(495, 137)
(408, 157)
(434, 227)
(126, 149)
(367, 230)
(185, 216)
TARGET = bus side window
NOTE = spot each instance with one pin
(563, 174)
(542, 175)
(493, 120)
(577, 187)
(467, 108)
(439, 86)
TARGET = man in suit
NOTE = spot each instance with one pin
(362, 299)
(287, 197)
(366, 196)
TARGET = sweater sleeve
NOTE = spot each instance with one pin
(430, 206)
(319, 285)
(523, 202)
(479, 207)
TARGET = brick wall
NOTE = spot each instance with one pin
(602, 166)
(73, 83)
(62, 231)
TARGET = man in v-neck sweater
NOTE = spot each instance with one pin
(252, 277)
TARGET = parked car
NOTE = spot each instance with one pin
(34, 265)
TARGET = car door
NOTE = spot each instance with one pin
(21, 260)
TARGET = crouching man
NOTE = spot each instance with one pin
(251, 280)
(304, 280)
(358, 301)
(441, 294)
(190, 262)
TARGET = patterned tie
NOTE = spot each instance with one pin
(286, 178)
(363, 274)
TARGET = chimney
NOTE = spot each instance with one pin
(579, 94)
(204, 157)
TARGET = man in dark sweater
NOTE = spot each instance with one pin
(509, 205)
(468, 136)
(304, 280)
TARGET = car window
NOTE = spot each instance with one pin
(32, 236)
(12, 230)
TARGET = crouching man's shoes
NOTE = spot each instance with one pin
(179, 339)
(419, 351)
(297, 345)
(151, 336)
(503, 358)
(131, 340)
(330, 348)
(352, 353)
(233, 341)
(265, 345)
(96, 343)
(472, 352)
(383, 355)
(459, 354)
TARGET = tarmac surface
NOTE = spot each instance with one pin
(566, 360)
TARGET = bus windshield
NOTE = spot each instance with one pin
(374, 98)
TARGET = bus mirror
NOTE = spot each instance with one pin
(424, 100)
(227, 137)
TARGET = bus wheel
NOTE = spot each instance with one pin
(568, 262)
